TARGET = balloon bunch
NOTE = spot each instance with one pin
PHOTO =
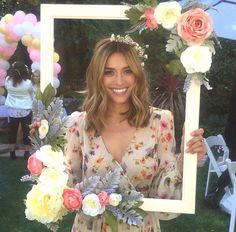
(26, 28)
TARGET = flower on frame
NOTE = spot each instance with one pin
(34, 165)
(168, 14)
(115, 199)
(196, 59)
(53, 178)
(50, 158)
(43, 128)
(91, 205)
(44, 205)
(72, 199)
(195, 26)
(151, 21)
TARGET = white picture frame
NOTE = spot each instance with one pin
(50, 12)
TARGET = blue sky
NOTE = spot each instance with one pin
(224, 18)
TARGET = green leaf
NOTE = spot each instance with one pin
(48, 95)
(138, 204)
(134, 15)
(176, 68)
(111, 220)
(39, 95)
(141, 212)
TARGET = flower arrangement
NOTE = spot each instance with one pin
(50, 198)
(191, 36)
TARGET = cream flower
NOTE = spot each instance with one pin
(50, 158)
(53, 178)
(168, 14)
(44, 206)
(115, 199)
(196, 59)
(43, 129)
(91, 205)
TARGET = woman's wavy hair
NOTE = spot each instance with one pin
(95, 103)
(18, 73)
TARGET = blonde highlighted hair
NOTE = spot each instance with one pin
(95, 103)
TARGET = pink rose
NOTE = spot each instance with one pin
(150, 20)
(195, 26)
(103, 198)
(72, 199)
(34, 165)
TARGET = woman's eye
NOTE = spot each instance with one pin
(128, 71)
(108, 72)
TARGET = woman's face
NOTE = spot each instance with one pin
(118, 80)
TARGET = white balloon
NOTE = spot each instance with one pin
(35, 66)
(27, 27)
(4, 64)
(36, 31)
(55, 82)
(18, 30)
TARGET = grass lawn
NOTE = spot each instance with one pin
(12, 194)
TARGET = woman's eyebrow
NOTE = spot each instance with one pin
(114, 68)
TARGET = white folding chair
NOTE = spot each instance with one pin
(215, 166)
(232, 172)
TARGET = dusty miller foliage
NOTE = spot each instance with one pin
(128, 210)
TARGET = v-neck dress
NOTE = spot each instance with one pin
(149, 165)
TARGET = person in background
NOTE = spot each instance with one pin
(19, 102)
(217, 190)
(119, 129)
(35, 78)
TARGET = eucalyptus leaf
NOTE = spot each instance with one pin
(134, 15)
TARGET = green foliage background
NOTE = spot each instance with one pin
(74, 41)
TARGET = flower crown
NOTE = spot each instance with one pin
(128, 40)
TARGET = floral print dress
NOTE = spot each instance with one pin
(149, 164)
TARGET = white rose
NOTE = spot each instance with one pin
(53, 178)
(50, 158)
(168, 14)
(115, 199)
(91, 205)
(43, 129)
(196, 59)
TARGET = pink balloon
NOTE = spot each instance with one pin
(2, 81)
(19, 16)
(31, 18)
(35, 55)
(9, 51)
(56, 68)
(29, 49)
(3, 73)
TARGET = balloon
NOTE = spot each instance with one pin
(36, 44)
(2, 92)
(2, 81)
(27, 27)
(56, 68)
(3, 73)
(19, 16)
(35, 55)
(55, 82)
(56, 57)
(8, 18)
(27, 40)
(3, 29)
(35, 66)
(4, 64)
(36, 31)
(18, 30)
(31, 18)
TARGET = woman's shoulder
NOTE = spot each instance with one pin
(77, 119)
(157, 113)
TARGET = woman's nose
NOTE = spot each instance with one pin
(119, 78)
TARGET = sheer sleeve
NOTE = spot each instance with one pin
(73, 152)
(167, 183)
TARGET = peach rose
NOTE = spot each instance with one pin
(72, 199)
(34, 165)
(195, 26)
(103, 198)
(150, 20)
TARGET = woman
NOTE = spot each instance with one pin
(19, 102)
(118, 128)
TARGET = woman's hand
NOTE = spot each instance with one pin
(196, 144)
